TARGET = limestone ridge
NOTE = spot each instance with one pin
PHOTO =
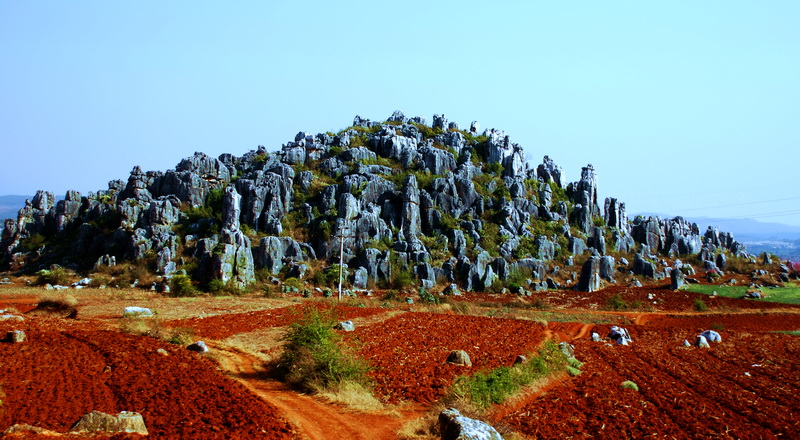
(444, 204)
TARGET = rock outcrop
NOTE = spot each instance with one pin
(391, 198)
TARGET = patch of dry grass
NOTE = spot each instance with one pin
(353, 395)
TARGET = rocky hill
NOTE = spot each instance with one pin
(400, 202)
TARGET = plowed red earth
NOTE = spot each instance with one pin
(66, 369)
(651, 298)
(223, 326)
(746, 387)
(408, 352)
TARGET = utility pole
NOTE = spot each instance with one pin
(341, 261)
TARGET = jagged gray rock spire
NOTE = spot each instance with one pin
(398, 195)
(411, 221)
(234, 262)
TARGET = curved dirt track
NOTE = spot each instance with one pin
(314, 419)
(68, 368)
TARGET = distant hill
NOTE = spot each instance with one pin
(10, 205)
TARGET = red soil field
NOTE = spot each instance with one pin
(408, 352)
(66, 369)
(226, 325)
(745, 387)
(648, 298)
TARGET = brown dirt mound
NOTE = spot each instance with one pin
(408, 352)
(67, 369)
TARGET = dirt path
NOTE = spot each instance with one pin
(313, 419)
(583, 331)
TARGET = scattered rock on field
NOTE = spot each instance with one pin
(15, 336)
(137, 311)
(701, 342)
(454, 426)
(712, 336)
(567, 349)
(198, 347)
(459, 357)
(347, 326)
(24, 428)
(620, 335)
(11, 318)
(97, 421)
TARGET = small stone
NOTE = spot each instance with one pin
(8, 317)
(459, 357)
(137, 311)
(198, 347)
(15, 336)
(347, 326)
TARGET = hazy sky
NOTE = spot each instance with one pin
(683, 107)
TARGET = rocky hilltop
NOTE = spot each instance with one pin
(399, 201)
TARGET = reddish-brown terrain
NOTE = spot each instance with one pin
(744, 387)
(69, 368)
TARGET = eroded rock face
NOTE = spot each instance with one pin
(590, 275)
(233, 261)
(420, 197)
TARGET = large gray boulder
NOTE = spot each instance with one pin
(454, 426)
(581, 218)
(590, 275)
(614, 214)
(97, 421)
(411, 221)
(548, 171)
(643, 267)
(677, 278)
(459, 357)
(436, 160)
(233, 261)
(607, 270)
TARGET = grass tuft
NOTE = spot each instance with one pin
(495, 386)
(629, 384)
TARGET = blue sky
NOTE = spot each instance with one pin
(683, 107)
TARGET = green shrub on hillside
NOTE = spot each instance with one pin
(313, 358)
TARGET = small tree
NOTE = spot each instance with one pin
(313, 358)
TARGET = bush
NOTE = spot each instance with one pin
(313, 358)
(700, 306)
(57, 275)
(181, 285)
(99, 280)
(616, 302)
(403, 279)
(628, 384)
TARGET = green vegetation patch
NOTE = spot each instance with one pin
(789, 294)
(495, 386)
(313, 358)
